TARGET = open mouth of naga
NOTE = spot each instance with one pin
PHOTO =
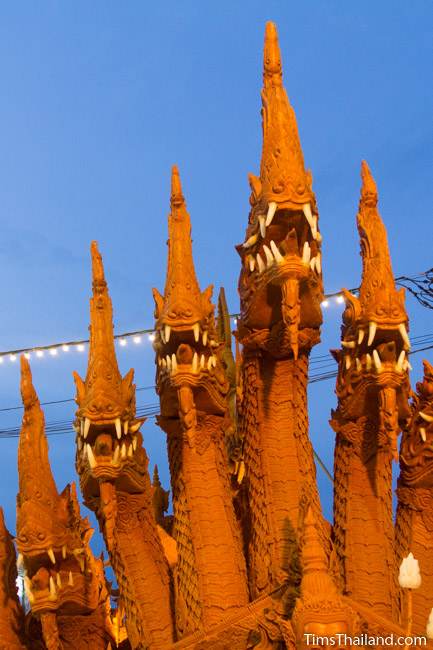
(56, 578)
(281, 243)
(378, 350)
(107, 448)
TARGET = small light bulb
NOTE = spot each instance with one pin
(1, 359)
(340, 299)
(39, 353)
(325, 303)
(122, 342)
(151, 337)
(80, 347)
(235, 320)
(13, 357)
(65, 348)
(27, 355)
(53, 352)
(137, 339)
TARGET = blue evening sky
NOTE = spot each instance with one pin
(99, 99)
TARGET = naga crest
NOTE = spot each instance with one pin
(189, 355)
(373, 360)
(52, 537)
(109, 443)
(281, 279)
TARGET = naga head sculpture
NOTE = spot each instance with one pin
(281, 278)
(416, 452)
(373, 361)
(52, 537)
(188, 350)
(109, 443)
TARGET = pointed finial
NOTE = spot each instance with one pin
(368, 189)
(177, 199)
(156, 480)
(98, 275)
(272, 67)
(316, 579)
(28, 393)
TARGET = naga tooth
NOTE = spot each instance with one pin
(306, 253)
(82, 427)
(59, 580)
(84, 454)
(130, 451)
(115, 459)
(260, 263)
(403, 331)
(161, 333)
(167, 332)
(53, 590)
(272, 207)
(360, 336)
(86, 428)
(214, 360)
(262, 224)
(125, 427)
(314, 227)
(64, 551)
(209, 363)
(70, 579)
(313, 263)
(196, 330)
(76, 428)
(205, 337)
(400, 361)
(372, 327)
(269, 256)
(174, 362)
(347, 362)
(20, 560)
(427, 418)
(28, 588)
(134, 443)
(348, 344)
(91, 457)
(252, 263)
(250, 241)
(377, 361)
(306, 209)
(195, 362)
(51, 555)
(81, 561)
(241, 472)
(168, 359)
(79, 444)
(318, 264)
(123, 451)
(135, 427)
(202, 361)
(423, 434)
(274, 248)
(164, 363)
(368, 361)
(118, 426)
(358, 364)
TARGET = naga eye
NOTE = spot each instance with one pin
(41, 536)
(23, 538)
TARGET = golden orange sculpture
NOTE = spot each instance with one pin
(246, 559)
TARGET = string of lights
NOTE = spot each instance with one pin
(421, 281)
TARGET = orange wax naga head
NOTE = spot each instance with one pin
(281, 279)
(375, 342)
(416, 452)
(188, 350)
(52, 538)
(109, 443)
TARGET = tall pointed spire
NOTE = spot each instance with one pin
(283, 178)
(104, 396)
(380, 300)
(183, 304)
(41, 512)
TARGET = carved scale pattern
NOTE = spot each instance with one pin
(140, 567)
(186, 581)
